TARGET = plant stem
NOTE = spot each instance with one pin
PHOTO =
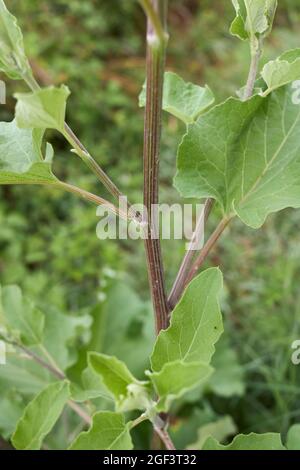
(80, 412)
(206, 249)
(256, 51)
(165, 437)
(156, 51)
(54, 371)
(50, 359)
(139, 420)
(180, 281)
(155, 18)
(91, 163)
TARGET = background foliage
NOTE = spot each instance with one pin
(48, 244)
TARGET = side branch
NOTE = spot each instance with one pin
(206, 249)
(59, 375)
(81, 150)
(183, 273)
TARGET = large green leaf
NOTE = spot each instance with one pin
(283, 70)
(13, 60)
(253, 17)
(268, 441)
(182, 353)
(176, 378)
(108, 432)
(129, 393)
(21, 318)
(40, 416)
(183, 100)
(196, 324)
(246, 155)
(42, 109)
(21, 160)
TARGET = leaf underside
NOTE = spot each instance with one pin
(21, 160)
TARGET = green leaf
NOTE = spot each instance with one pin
(129, 393)
(183, 100)
(196, 324)
(21, 160)
(253, 17)
(175, 378)
(293, 438)
(219, 430)
(268, 441)
(21, 318)
(285, 69)
(108, 432)
(42, 109)
(246, 155)
(13, 60)
(91, 387)
(40, 416)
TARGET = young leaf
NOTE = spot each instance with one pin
(21, 160)
(283, 70)
(42, 109)
(40, 416)
(268, 441)
(13, 60)
(183, 100)
(129, 393)
(293, 438)
(21, 318)
(108, 432)
(219, 430)
(196, 324)
(246, 156)
(253, 17)
(91, 387)
(176, 378)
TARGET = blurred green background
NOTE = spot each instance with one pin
(48, 243)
